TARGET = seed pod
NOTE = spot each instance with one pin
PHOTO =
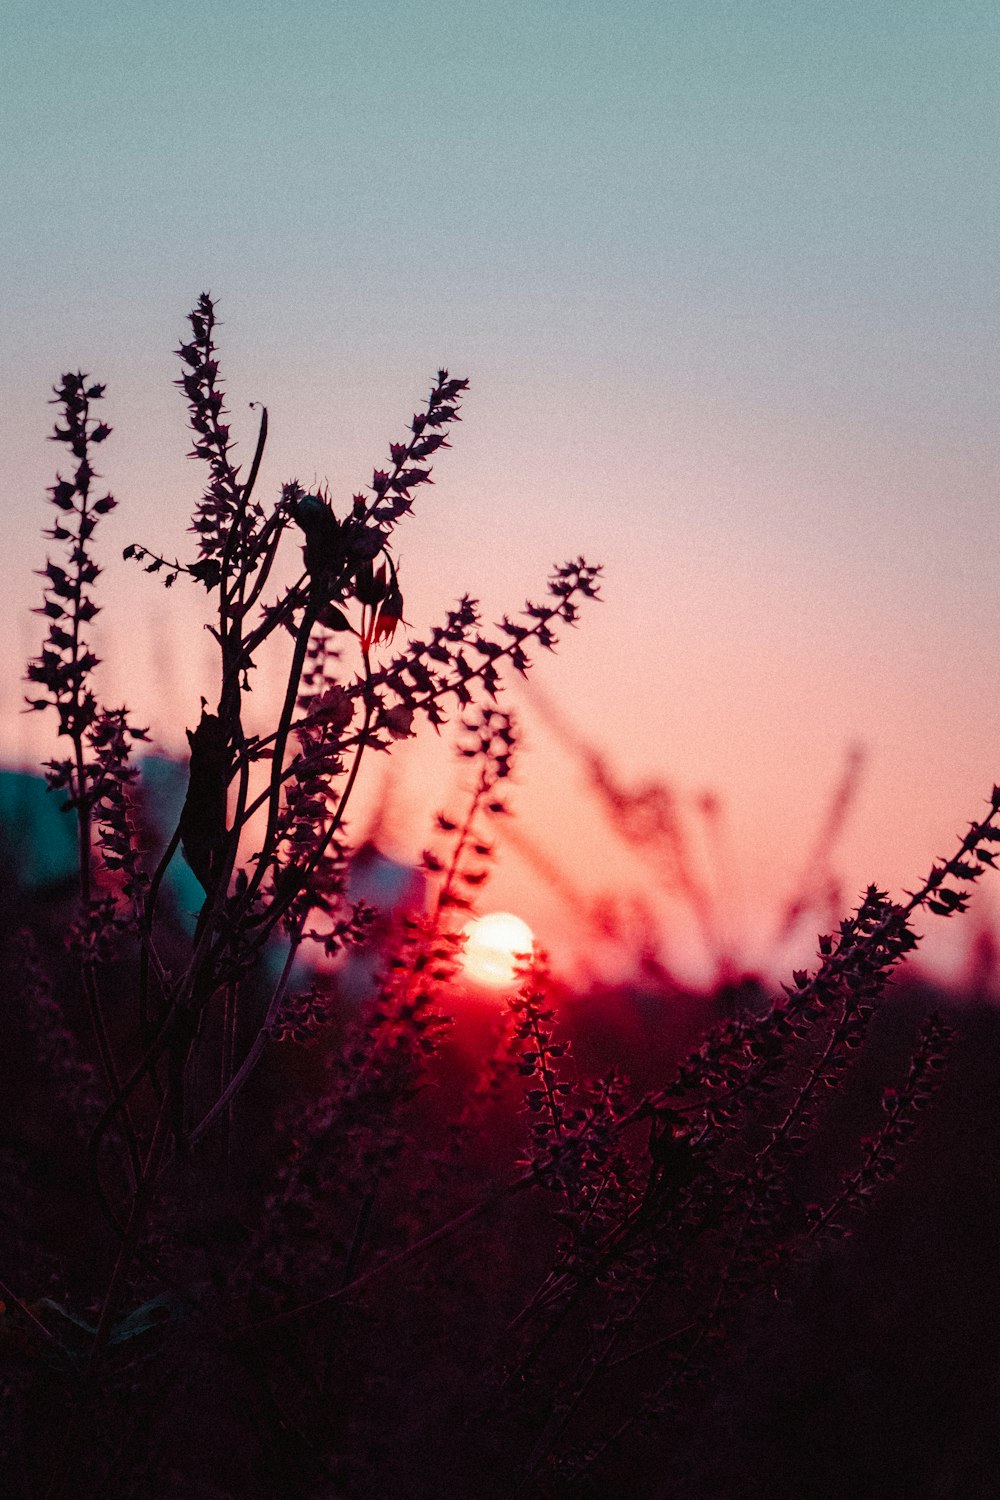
(203, 818)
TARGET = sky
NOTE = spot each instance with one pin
(723, 277)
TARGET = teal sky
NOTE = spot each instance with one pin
(724, 278)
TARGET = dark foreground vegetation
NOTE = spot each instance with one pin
(264, 1235)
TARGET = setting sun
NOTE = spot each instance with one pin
(492, 945)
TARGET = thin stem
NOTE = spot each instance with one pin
(238, 521)
(253, 1057)
(296, 886)
(268, 846)
(291, 1314)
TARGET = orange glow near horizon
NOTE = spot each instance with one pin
(493, 944)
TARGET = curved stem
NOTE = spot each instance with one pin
(291, 1314)
(256, 1051)
(268, 846)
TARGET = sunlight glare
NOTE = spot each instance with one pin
(492, 943)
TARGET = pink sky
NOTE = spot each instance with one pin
(723, 661)
(726, 292)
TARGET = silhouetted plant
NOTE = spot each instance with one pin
(157, 1079)
(327, 1241)
(720, 1216)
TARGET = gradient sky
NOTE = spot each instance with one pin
(724, 277)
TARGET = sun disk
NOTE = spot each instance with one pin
(492, 945)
